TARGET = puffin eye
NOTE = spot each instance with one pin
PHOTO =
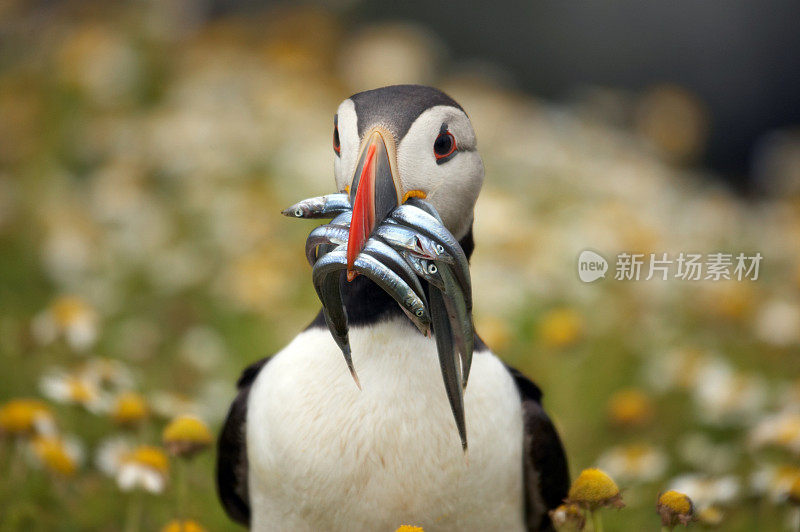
(444, 147)
(337, 147)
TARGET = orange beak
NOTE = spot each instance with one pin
(373, 195)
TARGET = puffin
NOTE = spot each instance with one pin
(304, 448)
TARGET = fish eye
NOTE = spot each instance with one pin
(439, 249)
(432, 268)
(298, 212)
(444, 147)
(419, 313)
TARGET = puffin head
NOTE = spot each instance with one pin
(401, 142)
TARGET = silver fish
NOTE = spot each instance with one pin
(426, 269)
(326, 206)
(425, 206)
(324, 249)
(426, 224)
(326, 276)
(324, 234)
(395, 286)
(389, 281)
(342, 220)
(455, 302)
(403, 238)
(394, 261)
(448, 362)
(460, 320)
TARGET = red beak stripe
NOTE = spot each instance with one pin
(363, 220)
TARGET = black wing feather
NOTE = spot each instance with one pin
(546, 473)
(232, 451)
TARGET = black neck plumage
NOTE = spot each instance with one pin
(367, 303)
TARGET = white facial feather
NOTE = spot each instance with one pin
(345, 163)
(452, 187)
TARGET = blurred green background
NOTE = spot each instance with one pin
(146, 150)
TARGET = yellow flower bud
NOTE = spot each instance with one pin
(594, 489)
(675, 508)
(186, 435)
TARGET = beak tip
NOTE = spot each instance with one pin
(358, 382)
(351, 275)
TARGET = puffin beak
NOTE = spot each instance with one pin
(373, 193)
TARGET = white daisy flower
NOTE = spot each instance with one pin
(706, 491)
(62, 455)
(773, 481)
(698, 451)
(146, 468)
(778, 430)
(69, 317)
(778, 323)
(634, 463)
(111, 453)
(74, 389)
(724, 397)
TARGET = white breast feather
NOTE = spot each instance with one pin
(325, 456)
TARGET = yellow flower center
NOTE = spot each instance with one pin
(54, 456)
(676, 502)
(561, 327)
(183, 526)
(19, 416)
(79, 391)
(149, 456)
(630, 407)
(788, 431)
(67, 309)
(710, 515)
(187, 429)
(129, 408)
(785, 475)
(636, 452)
(593, 486)
(794, 490)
